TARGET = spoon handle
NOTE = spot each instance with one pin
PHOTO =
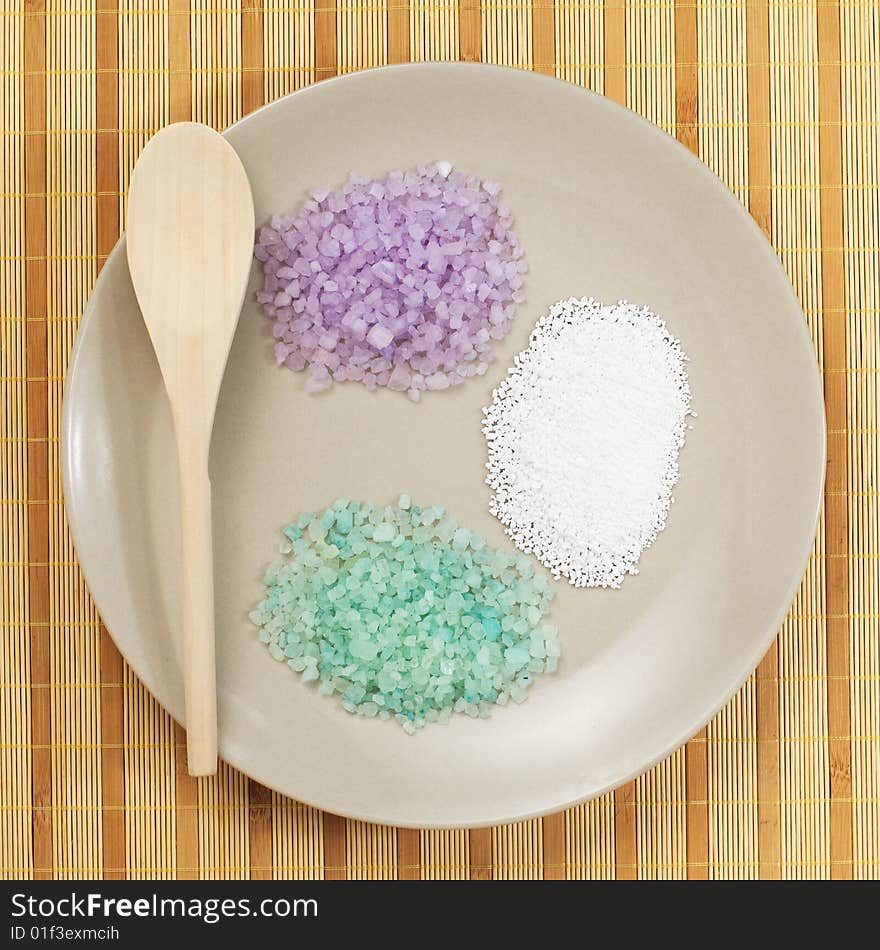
(199, 672)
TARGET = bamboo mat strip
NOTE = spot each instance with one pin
(834, 345)
(334, 844)
(481, 854)
(16, 843)
(260, 824)
(471, 34)
(444, 855)
(143, 99)
(325, 39)
(589, 829)
(186, 789)
(687, 112)
(544, 37)
(36, 401)
(399, 31)
(260, 832)
(579, 32)
(727, 830)
(297, 832)
(590, 840)
(803, 769)
(860, 36)
(252, 56)
(107, 223)
(470, 31)
(334, 829)
(613, 66)
(518, 851)
(662, 822)
(544, 33)
(433, 32)
(615, 87)
(70, 173)
(297, 840)
(507, 40)
(649, 38)
(778, 97)
(766, 707)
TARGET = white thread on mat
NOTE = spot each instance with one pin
(583, 439)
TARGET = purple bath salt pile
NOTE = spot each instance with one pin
(403, 281)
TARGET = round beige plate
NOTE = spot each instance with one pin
(605, 205)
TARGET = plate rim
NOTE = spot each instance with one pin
(806, 345)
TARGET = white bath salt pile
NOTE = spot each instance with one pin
(584, 436)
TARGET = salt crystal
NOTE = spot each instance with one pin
(317, 384)
(400, 378)
(379, 336)
(438, 381)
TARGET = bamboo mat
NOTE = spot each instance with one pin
(780, 97)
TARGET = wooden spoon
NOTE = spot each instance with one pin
(190, 244)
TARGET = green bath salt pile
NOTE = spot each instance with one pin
(404, 613)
